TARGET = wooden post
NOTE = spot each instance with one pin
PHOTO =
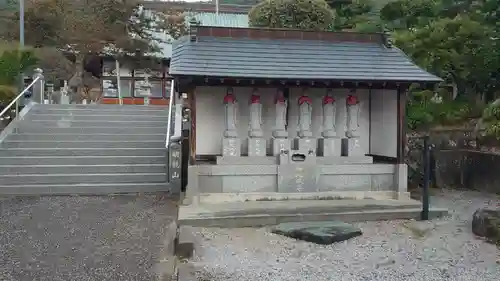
(192, 105)
(401, 115)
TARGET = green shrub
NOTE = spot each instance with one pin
(491, 119)
(422, 112)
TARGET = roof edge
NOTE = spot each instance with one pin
(292, 34)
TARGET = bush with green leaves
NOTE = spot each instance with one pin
(491, 119)
(294, 14)
(422, 112)
(12, 63)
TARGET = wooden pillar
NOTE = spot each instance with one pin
(401, 113)
(191, 103)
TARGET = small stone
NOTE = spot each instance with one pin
(320, 232)
(420, 228)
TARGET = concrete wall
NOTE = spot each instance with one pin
(264, 178)
(463, 160)
(210, 117)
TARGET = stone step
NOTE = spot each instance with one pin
(98, 111)
(104, 129)
(67, 123)
(81, 169)
(261, 213)
(82, 178)
(103, 117)
(84, 188)
(107, 107)
(49, 152)
(82, 160)
(87, 137)
(83, 144)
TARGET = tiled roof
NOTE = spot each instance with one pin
(293, 59)
(205, 19)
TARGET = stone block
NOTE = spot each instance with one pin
(305, 144)
(279, 145)
(354, 147)
(320, 232)
(231, 147)
(298, 178)
(257, 147)
(330, 147)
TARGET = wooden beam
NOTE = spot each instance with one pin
(401, 115)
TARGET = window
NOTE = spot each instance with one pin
(110, 89)
(150, 88)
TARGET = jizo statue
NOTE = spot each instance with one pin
(305, 116)
(230, 112)
(255, 130)
(329, 115)
(280, 105)
(352, 120)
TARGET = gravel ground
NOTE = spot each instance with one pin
(444, 249)
(86, 238)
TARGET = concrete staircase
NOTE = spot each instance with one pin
(84, 149)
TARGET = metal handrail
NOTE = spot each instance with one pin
(170, 108)
(16, 100)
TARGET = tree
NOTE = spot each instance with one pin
(355, 15)
(294, 14)
(13, 62)
(83, 28)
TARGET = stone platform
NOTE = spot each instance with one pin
(262, 213)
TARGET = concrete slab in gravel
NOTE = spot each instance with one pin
(101, 238)
(261, 213)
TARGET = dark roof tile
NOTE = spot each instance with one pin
(294, 59)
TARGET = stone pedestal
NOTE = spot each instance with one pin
(64, 99)
(231, 147)
(257, 147)
(330, 147)
(305, 144)
(354, 147)
(279, 145)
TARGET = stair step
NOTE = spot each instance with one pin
(105, 129)
(84, 188)
(96, 117)
(81, 169)
(83, 144)
(101, 108)
(82, 178)
(98, 111)
(68, 123)
(81, 160)
(126, 151)
(86, 137)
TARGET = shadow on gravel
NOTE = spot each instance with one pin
(84, 238)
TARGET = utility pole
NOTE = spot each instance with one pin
(21, 24)
(21, 41)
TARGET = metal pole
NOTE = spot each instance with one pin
(118, 82)
(21, 40)
(217, 7)
(21, 23)
(427, 178)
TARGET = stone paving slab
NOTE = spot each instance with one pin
(87, 238)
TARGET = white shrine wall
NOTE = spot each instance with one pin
(384, 127)
(210, 117)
